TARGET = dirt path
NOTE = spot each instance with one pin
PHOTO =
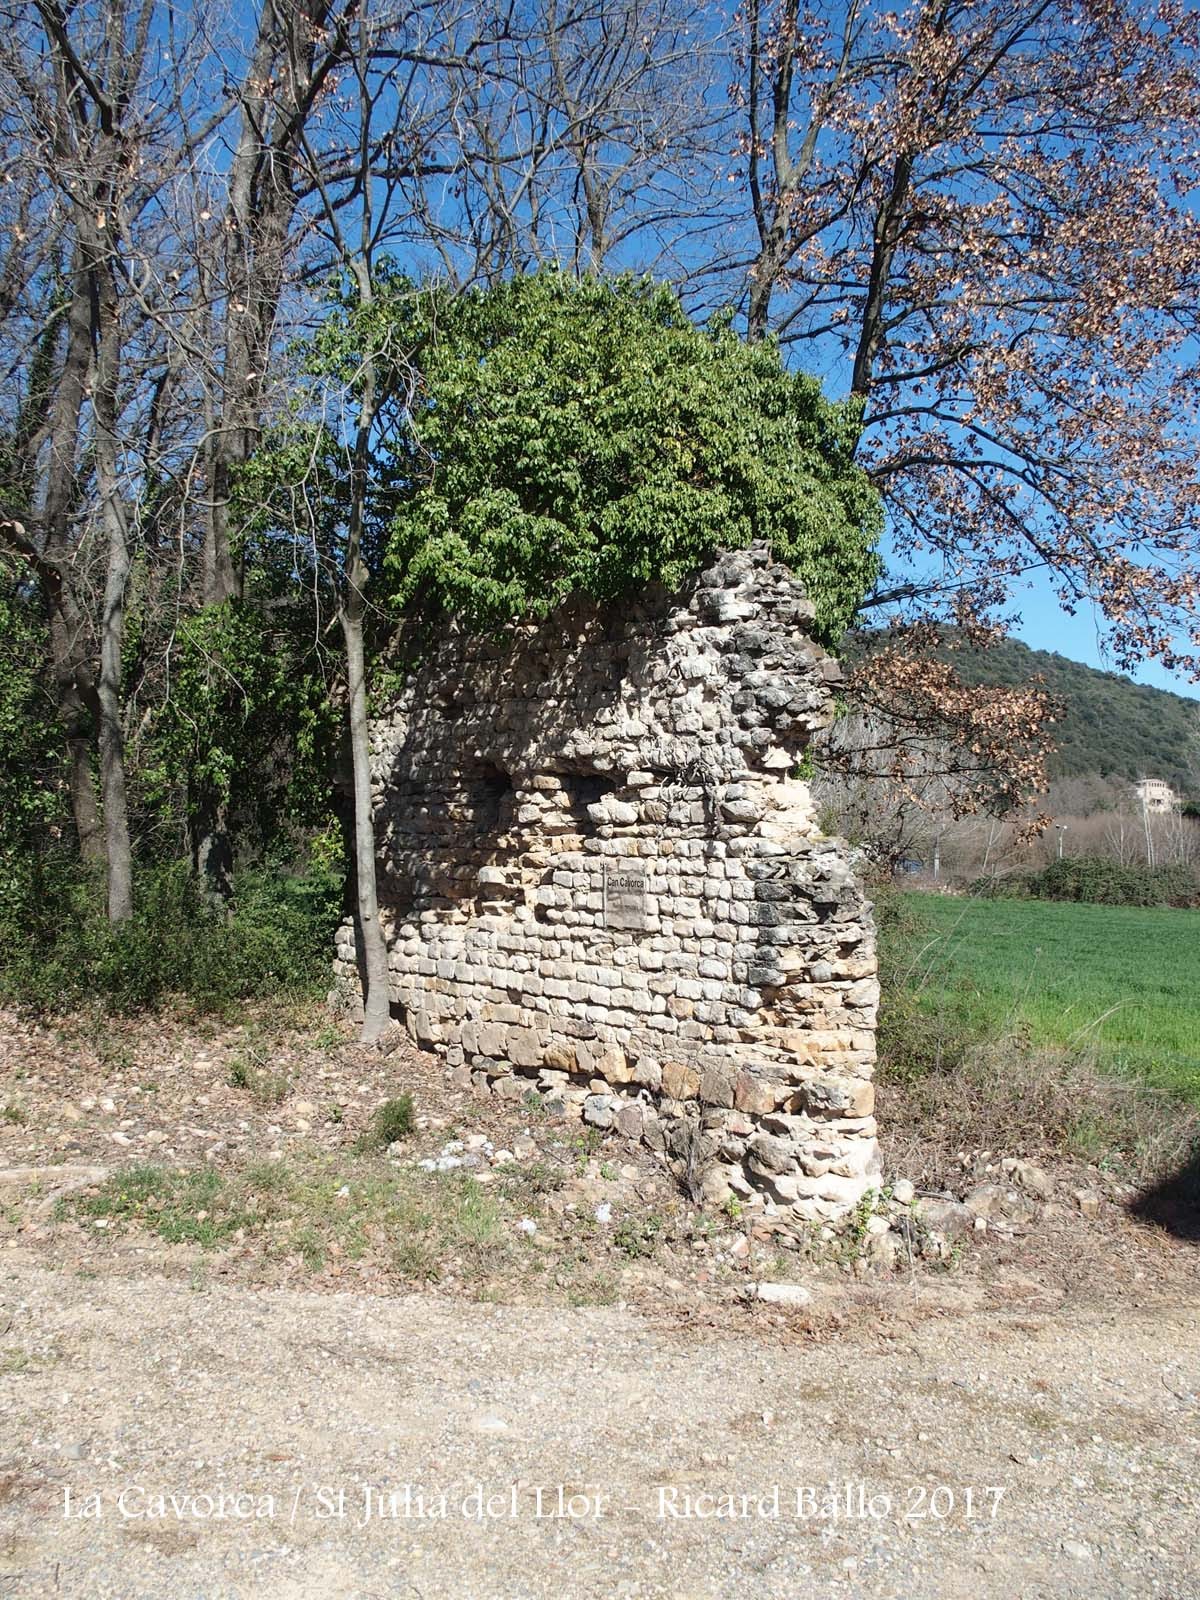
(1064, 1451)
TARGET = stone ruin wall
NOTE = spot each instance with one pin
(601, 880)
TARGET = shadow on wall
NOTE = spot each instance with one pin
(489, 801)
(1174, 1202)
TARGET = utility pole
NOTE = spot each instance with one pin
(1149, 832)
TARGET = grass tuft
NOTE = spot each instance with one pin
(392, 1122)
(266, 1087)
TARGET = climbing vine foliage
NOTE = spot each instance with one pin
(563, 436)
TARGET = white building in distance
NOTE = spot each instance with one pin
(1155, 795)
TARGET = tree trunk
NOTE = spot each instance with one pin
(253, 251)
(888, 224)
(212, 848)
(758, 317)
(89, 830)
(118, 854)
(77, 707)
(78, 717)
(372, 944)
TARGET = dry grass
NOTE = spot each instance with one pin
(1005, 1097)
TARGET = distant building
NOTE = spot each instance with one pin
(1155, 795)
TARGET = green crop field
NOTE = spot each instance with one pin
(1122, 981)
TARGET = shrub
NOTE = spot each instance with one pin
(1099, 882)
(638, 1236)
(57, 950)
(556, 436)
(32, 780)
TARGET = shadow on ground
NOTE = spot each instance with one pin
(1174, 1202)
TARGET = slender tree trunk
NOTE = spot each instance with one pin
(772, 211)
(76, 706)
(89, 830)
(277, 94)
(372, 941)
(117, 851)
(118, 854)
(232, 421)
(250, 189)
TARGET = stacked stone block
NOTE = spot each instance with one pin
(603, 879)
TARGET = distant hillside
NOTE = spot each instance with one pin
(1112, 725)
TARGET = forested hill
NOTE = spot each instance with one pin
(1112, 725)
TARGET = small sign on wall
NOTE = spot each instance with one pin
(625, 895)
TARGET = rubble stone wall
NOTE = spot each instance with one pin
(602, 879)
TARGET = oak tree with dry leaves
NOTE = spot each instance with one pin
(979, 218)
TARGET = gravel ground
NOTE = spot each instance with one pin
(995, 1453)
(257, 1420)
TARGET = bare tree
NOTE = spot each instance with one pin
(82, 89)
(888, 813)
(297, 48)
(347, 399)
(974, 218)
(356, 254)
(588, 133)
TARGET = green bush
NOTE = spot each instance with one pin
(1099, 882)
(1013, 887)
(32, 778)
(57, 950)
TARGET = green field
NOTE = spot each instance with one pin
(1122, 981)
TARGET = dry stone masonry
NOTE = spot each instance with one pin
(603, 880)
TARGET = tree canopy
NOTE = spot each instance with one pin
(980, 218)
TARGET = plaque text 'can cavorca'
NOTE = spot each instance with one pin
(625, 895)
